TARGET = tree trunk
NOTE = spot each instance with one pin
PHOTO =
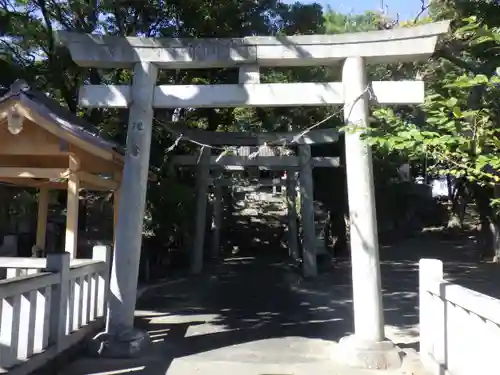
(338, 232)
(488, 232)
(495, 230)
(449, 185)
(458, 200)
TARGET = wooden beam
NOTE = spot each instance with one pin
(72, 207)
(51, 185)
(33, 161)
(282, 162)
(22, 172)
(31, 140)
(51, 127)
(251, 95)
(257, 139)
(100, 183)
(41, 220)
(30, 183)
(88, 162)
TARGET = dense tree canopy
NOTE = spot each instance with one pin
(453, 133)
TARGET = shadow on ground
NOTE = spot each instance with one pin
(252, 308)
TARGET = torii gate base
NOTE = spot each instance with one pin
(367, 347)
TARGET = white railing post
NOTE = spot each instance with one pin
(103, 254)
(12, 272)
(432, 316)
(10, 315)
(58, 262)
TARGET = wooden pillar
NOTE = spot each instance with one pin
(72, 206)
(307, 212)
(217, 219)
(128, 238)
(41, 221)
(291, 201)
(202, 176)
(367, 293)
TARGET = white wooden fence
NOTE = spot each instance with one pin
(459, 328)
(49, 308)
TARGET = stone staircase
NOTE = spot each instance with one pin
(254, 202)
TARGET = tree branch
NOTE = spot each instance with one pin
(423, 8)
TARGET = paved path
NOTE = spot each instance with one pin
(244, 317)
(253, 315)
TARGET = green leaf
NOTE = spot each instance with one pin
(483, 39)
(452, 102)
(481, 79)
(457, 112)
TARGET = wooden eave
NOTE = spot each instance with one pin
(40, 163)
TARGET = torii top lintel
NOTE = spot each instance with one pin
(386, 46)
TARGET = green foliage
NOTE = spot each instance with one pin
(459, 131)
(454, 131)
(29, 51)
(338, 23)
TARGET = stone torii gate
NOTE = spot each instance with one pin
(366, 347)
(303, 163)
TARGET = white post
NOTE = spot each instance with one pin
(367, 294)
(72, 206)
(309, 264)
(202, 175)
(103, 254)
(132, 199)
(59, 299)
(432, 317)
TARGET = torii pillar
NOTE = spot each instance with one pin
(309, 265)
(367, 347)
(291, 201)
(202, 175)
(124, 339)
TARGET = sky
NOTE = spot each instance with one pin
(407, 9)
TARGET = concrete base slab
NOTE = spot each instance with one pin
(193, 367)
(412, 363)
(132, 343)
(358, 353)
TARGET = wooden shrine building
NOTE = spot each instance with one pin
(45, 146)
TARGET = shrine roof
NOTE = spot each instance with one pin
(53, 112)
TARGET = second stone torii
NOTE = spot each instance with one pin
(303, 163)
